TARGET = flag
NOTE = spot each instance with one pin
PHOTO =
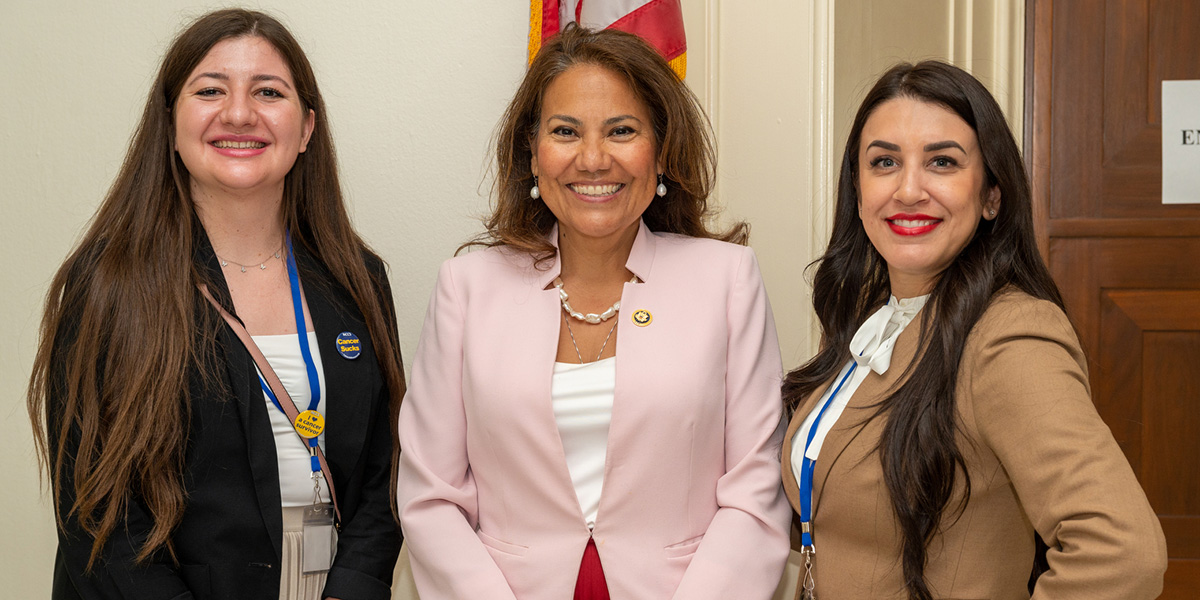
(659, 22)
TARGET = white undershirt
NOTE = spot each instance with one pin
(582, 398)
(872, 350)
(295, 468)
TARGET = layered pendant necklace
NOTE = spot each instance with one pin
(592, 318)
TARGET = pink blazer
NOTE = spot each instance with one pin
(692, 505)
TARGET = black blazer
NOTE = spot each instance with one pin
(228, 543)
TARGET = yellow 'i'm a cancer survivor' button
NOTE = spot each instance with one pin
(309, 424)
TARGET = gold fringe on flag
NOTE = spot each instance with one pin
(535, 28)
(679, 65)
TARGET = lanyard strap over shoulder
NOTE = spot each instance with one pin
(284, 401)
(808, 466)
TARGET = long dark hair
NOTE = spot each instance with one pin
(918, 449)
(681, 134)
(121, 332)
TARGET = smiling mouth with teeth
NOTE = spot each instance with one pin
(597, 190)
(920, 223)
(239, 145)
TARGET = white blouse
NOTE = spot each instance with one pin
(871, 347)
(582, 399)
(295, 468)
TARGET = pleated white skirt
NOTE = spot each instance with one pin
(294, 583)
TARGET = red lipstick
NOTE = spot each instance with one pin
(918, 224)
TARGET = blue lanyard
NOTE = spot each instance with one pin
(314, 383)
(808, 466)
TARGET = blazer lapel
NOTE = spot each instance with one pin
(534, 365)
(542, 353)
(348, 388)
(256, 427)
(631, 357)
(248, 395)
(861, 407)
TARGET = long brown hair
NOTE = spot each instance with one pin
(123, 325)
(918, 449)
(682, 135)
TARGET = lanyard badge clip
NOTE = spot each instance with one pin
(807, 583)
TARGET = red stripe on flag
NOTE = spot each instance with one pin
(660, 22)
(550, 24)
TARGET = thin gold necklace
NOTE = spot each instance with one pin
(261, 266)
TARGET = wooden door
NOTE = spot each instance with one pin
(1128, 266)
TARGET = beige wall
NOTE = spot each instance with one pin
(414, 91)
(781, 83)
(985, 37)
(761, 82)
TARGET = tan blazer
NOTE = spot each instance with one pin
(1039, 458)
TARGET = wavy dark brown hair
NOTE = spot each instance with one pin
(682, 135)
(919, 449)
(124, 326)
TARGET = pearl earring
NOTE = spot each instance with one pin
(992, 212)
(534, 192)
(661, 190)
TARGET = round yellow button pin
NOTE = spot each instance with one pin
(642, 318)
(309, 424)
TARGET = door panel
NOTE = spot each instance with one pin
(1128, 266)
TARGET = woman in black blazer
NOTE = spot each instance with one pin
(172, 474)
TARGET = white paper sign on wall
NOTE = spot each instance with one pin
(1181, 142)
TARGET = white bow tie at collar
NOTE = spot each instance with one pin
(869, 347)
(873, 343)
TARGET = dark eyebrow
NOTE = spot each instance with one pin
(224, 77)
(568, 119)
(220, 76)
(615, 120)
(934, 147)
(578, 123)
(885, 145)
(266, 77)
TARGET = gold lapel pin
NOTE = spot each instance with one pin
(642, 318)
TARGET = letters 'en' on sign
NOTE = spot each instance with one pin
(1181, 142)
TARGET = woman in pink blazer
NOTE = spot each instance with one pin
(538, 462)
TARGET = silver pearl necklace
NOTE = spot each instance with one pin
(592, 318)
(261, 266)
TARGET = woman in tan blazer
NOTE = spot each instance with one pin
(946, 423)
